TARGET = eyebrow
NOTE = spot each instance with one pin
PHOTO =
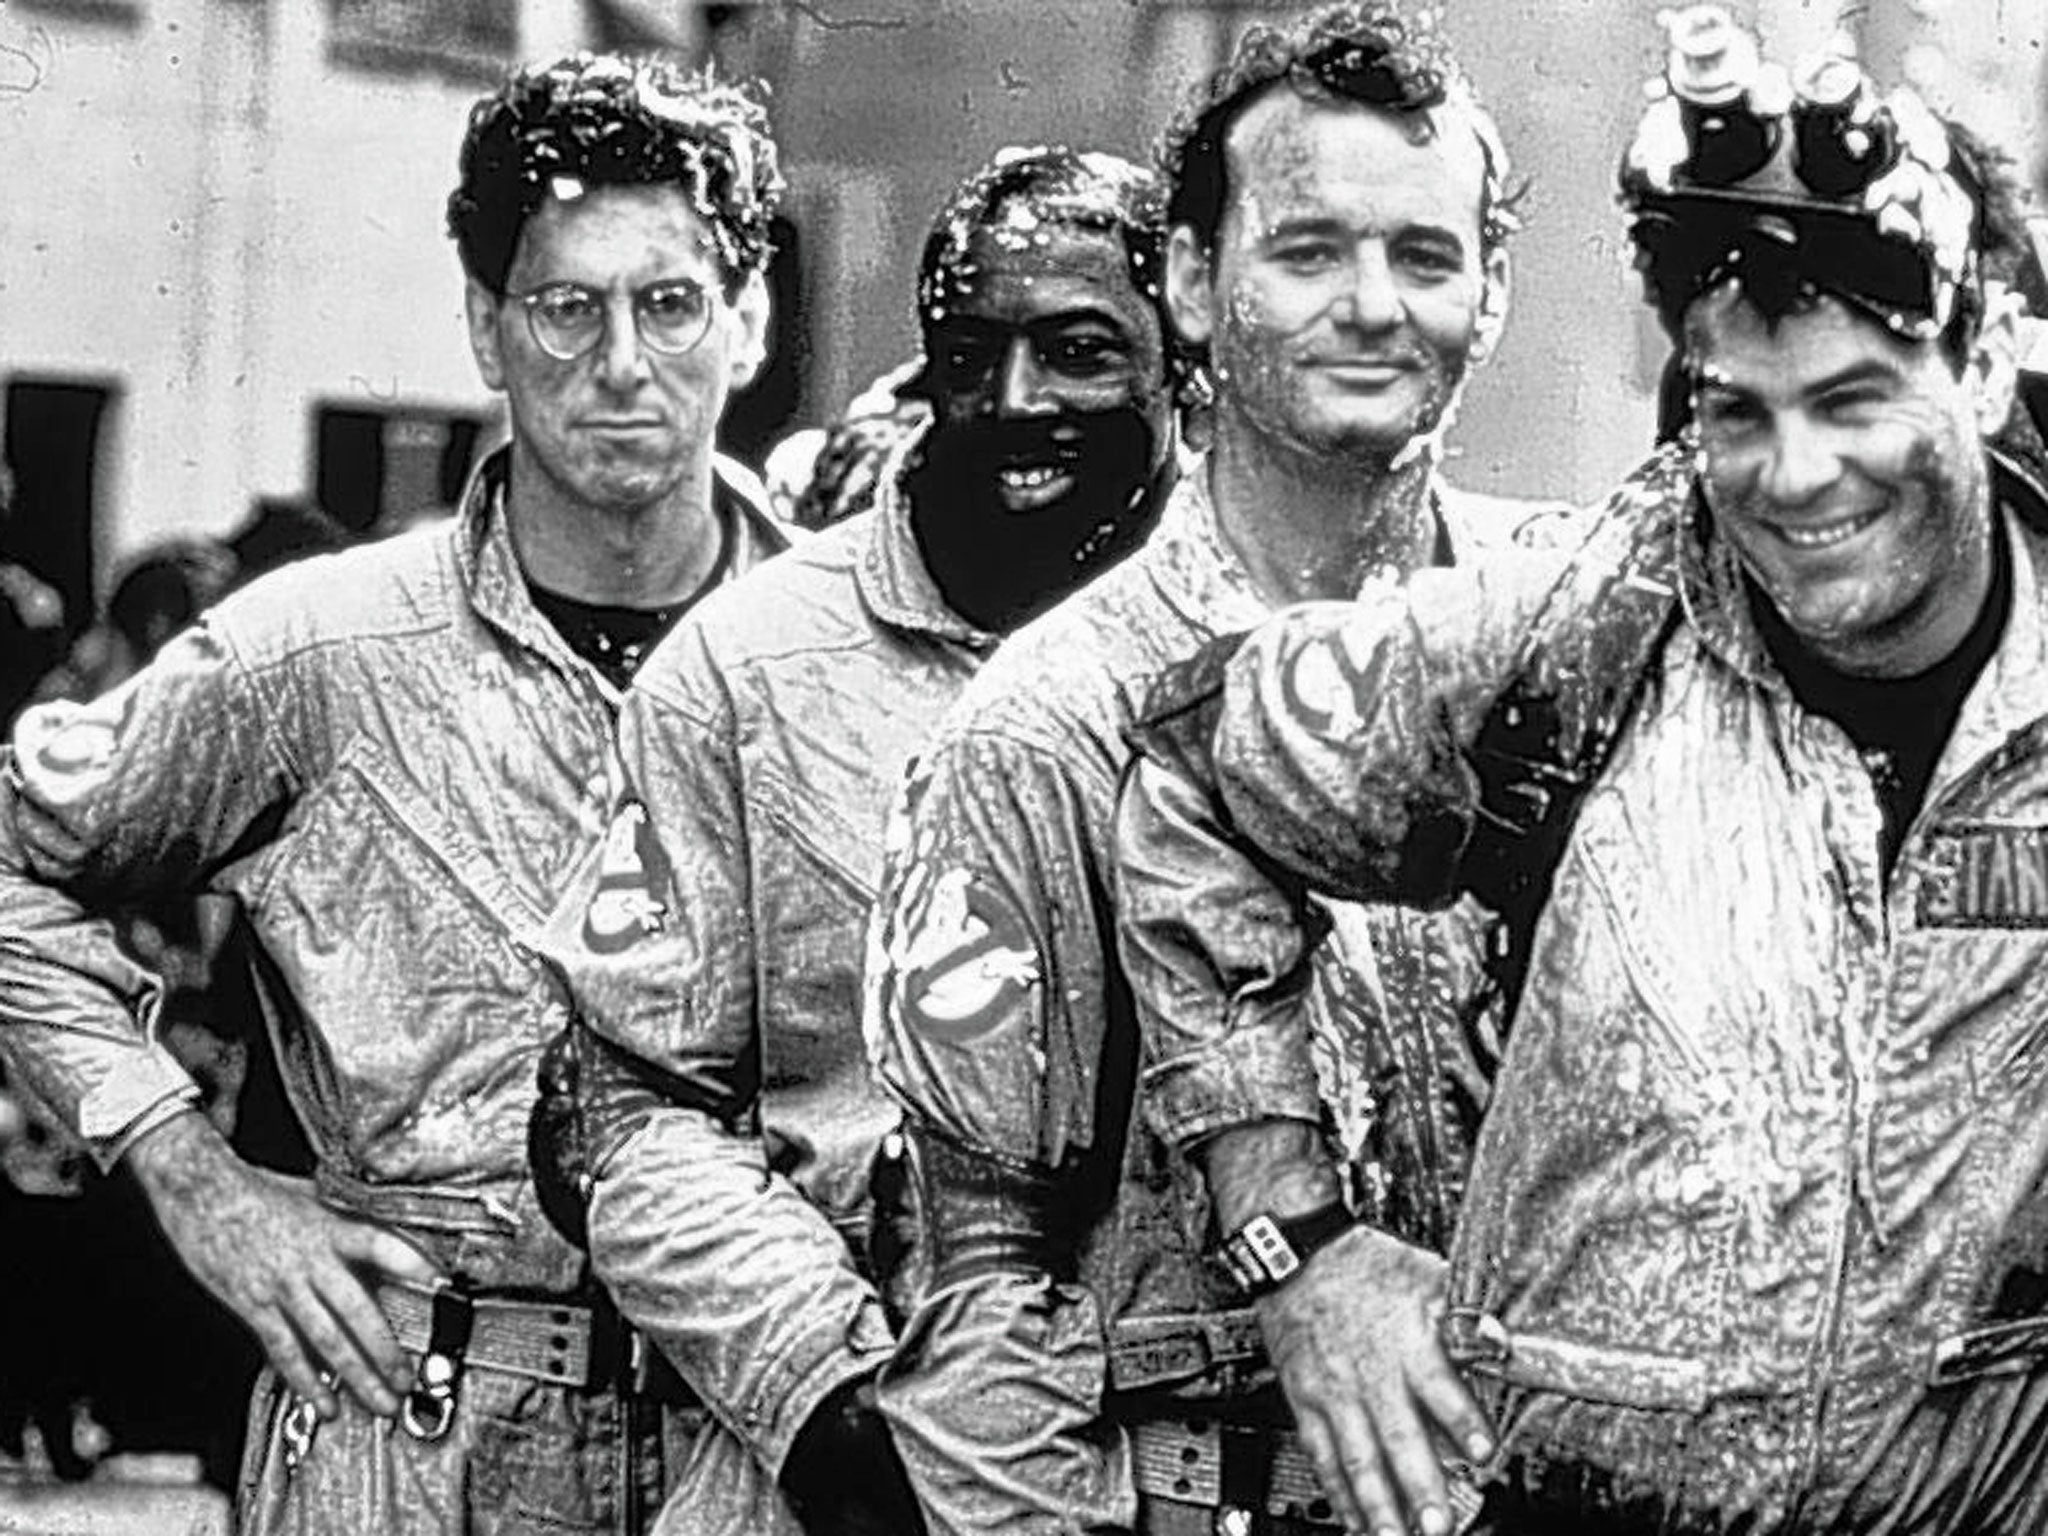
(1080, 314)
(1304, 224)
(1863, 371)
(1331, 225)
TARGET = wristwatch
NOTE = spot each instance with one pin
(1268, 1249)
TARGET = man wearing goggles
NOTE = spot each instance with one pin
(1756, 1236)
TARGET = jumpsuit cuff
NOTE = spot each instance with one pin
(132, 1100)
(1259, 1068)
(791, 1394)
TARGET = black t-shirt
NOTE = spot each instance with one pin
(1899, 724)
(616, 640)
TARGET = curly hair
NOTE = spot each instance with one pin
(1366, 52)
(607, 120)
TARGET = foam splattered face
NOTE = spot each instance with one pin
(625, 425)
(1348, 291)
(1845, 465)
(1046, 371)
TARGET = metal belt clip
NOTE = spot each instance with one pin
(1996, 1347)
(430, 1405)
(301, 1422)
(1473, 1337)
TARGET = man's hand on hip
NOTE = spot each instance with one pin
(1353, 1339)
(297, 1274)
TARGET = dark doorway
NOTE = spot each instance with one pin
(53, 453)
(377, 469)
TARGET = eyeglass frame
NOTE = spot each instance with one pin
(532, 297)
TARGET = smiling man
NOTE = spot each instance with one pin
(716, 1112)
(1754, 1238)
(392, 757)
(1339, 250)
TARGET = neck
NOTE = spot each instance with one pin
(627, 557)
(1306, 528)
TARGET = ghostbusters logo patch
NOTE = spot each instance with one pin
(631, 871)
(83, 744)
(1983, 875)
(964, 958)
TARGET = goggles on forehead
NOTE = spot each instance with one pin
(1741, 171)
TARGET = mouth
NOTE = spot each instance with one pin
(1815, 536)
(1363, 372)
(1028, 487)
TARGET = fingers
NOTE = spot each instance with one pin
(1444, 1397)
(1322, 1452)
(385, 1252)
(342, 1325)
(289, 1359)
(1387, 1459)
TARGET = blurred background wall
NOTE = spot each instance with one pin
(223, 274)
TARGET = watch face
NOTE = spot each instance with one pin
(1269, 1246)
(1262, 1254)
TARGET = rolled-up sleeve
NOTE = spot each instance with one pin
(1216, 948)
(151, 789)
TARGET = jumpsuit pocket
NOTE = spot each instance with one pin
(544, 1462)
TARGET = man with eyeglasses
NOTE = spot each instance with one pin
(393, 758)
(723, 1122)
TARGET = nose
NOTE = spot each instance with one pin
(1371, 300)
(621, 359)
(1020, 385)
(1801, 466)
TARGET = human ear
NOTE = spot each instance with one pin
(481, 306)
(1496, 283)
(751, 309)
(1190, 287)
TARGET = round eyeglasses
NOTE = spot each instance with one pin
(568, 319)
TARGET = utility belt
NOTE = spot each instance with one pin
(1225, 1460)
(1209, 1475)
(577, 1342)
(1222, 1350)
(583, 1346)
(1198, 1476)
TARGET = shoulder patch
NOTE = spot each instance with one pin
(963, 958)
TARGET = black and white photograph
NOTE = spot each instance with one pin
(1024, 768)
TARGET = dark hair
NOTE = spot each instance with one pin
(606, 120)
(1068, 188)
(164, 590)
(1362, 51)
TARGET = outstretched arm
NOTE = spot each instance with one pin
(1421, 741)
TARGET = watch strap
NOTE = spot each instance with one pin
(1269, 1250)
